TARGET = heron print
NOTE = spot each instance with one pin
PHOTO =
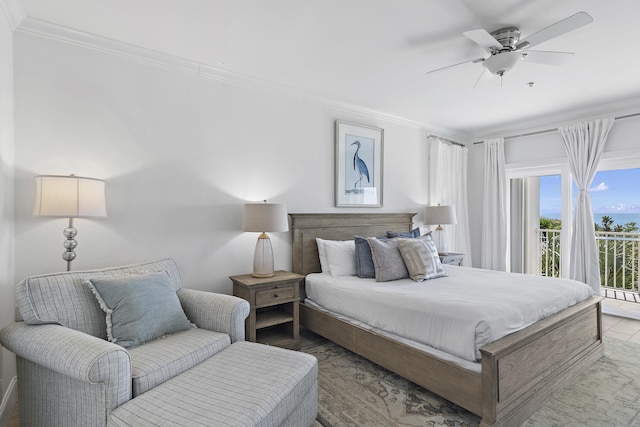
(360, 156)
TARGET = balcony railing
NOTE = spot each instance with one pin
(618, 252)
(549, 254)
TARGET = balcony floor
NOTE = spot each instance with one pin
(621, 319)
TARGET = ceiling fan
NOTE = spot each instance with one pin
(506, 49)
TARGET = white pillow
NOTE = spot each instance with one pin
(322, 253)
(341, 255)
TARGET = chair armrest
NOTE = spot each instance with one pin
(216, 312)
(69, 352)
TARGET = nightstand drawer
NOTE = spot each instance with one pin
(452, 259)
(275, 295)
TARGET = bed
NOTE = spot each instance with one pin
(517, 372)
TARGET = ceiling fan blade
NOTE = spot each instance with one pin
(547, 57)
(571, 23)
(483, 78)
(455, 65)
(484, 39)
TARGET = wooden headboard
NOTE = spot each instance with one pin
(331, 226)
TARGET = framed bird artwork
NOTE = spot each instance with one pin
(359, 151)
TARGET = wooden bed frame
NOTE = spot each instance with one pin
(519, 372)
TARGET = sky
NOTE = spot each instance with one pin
(616, 191)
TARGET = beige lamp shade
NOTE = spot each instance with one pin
(69, 197)
(263, 217)
(437, 215)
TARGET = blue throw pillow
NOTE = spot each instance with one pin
(410, 234)
(139, 307)
(365, 269)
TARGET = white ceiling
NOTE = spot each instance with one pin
(374, 53)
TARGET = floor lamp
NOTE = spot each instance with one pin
(69, 197)
(262, 218)
(438, 215)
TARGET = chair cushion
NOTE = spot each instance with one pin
(139, 307)
(246, 384)
(62, 298)
(158, 361)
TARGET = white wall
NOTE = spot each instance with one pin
(180, 156)
(622, 151)
(7, 361)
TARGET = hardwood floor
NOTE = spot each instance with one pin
(14, 420)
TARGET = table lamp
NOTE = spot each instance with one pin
(69, 197)
(438, 215)
(262, 218)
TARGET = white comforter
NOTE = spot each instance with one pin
(457, 314)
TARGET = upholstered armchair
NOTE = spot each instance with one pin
(72, 371)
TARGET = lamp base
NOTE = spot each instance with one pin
(70, 244)
(440, 239)
(263, 257)
(258, 275)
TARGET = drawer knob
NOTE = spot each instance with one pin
(275, 295)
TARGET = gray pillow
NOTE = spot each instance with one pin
(139, 307)
(421, 258)
(387, 260)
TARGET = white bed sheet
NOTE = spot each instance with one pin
(471, 366)
(456, 314)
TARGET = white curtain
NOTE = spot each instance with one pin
(584, 143)
(494, 209)
(447, 185)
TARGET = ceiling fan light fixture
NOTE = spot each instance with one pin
(502, 62)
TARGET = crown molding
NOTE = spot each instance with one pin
(617, 108)
(13, 12)
(47, 30)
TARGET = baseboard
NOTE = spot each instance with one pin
(8, 401)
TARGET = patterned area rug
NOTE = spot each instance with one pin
(356, 392)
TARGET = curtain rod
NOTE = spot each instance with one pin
(446, 140)
(552, 130)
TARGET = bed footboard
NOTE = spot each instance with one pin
(521, 371)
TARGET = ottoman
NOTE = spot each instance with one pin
(246, 384)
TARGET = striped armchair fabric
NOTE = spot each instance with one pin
(69, 374)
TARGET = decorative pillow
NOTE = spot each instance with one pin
(365, 269)
(322, 253)
(341, 255)
(410, 234)
(421, 258)
(139, 307)
(387, 260)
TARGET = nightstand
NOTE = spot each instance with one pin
(452, 259)
(274, 316)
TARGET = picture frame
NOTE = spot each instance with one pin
(358, 168)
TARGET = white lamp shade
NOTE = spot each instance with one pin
(70, 197)
(264, 217)
(437, 215)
